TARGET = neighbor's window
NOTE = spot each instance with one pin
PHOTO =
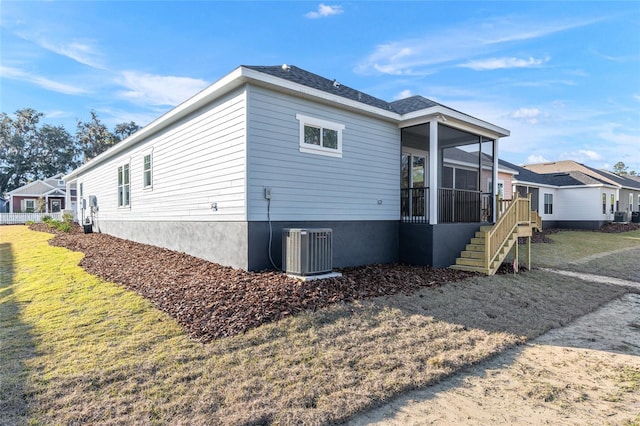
(604, 203)
(147, 171)
(29, 206)
(319, 136)
(630, 202)
(613, 201)
(548, 203)
(124, 187)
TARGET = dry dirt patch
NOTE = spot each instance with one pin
(585, 373)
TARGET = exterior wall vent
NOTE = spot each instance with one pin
(306, 251)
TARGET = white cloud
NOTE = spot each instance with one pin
(82, 51)
(535, 159)
(444, 47)
(529, 115)
(152, 89)
(499, 63)
(45, 83)
(404, 94)
(636, 97)
(588, 154)
(324, 11)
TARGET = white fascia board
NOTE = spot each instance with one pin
(455, 119)
(217, 89)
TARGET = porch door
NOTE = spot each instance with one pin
(55, 206)
(413, 184)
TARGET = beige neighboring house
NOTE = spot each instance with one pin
(45, 196)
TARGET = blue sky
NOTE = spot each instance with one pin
(564, 77)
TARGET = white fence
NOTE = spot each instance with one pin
(21, 218)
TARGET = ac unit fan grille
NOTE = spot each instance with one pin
(307, 251)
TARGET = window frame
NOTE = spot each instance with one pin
(604, 203)
(148, 171)
(322, 125)
(26, 205)
(124, 185)
(613, 201)
(548, 203)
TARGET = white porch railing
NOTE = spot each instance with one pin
(21, 218)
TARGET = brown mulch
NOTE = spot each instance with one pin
(212, 301)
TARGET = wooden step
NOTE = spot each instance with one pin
(475, 247)
(470, 269)
(481, 234)
(478, 241)
(478, 263)
(472, 254)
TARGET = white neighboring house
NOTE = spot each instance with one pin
(49, 195)
(272, 147)
(568, 194)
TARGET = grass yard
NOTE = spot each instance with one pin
(78, 350)
(581, 247)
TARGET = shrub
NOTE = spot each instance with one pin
(29, 223)
(47, 219)
(64, 226)
(52, 223)
(67, 217)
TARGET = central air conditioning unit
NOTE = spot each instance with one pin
(306, 251)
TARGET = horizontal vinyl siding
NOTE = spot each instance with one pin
(312, 187)
(577, 204)
(198, 161)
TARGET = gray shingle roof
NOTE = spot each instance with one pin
(315, 81)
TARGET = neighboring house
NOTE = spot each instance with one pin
(567, 198)
(619, 194)
(4, 205)
(47, 196)
(273, 147)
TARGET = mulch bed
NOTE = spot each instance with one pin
(212, 301)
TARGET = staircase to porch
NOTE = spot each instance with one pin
(491, 245)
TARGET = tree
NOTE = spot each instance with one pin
(29, 152)
(124, 130)
(620, 168)
(93, 137)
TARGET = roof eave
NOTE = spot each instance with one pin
(457, 119)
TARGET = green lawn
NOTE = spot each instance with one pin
(78, 350)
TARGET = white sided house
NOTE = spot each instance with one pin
(273, 147)
(570, 199)
(573, 195)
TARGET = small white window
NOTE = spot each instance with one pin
(147, 171)
(319, 136)
(29, 206)
(548, 203)
(124, 188)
